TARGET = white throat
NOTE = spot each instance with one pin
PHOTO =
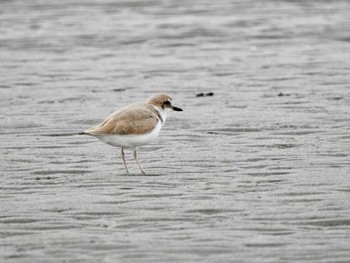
(163, 113)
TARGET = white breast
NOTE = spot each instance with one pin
(131, 141)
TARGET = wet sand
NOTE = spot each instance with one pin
(259, 172)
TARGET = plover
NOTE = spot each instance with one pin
(135, 125)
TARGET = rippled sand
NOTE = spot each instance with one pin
(259, 172)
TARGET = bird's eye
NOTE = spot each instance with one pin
(167, 103)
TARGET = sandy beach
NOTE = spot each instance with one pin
(258, 172)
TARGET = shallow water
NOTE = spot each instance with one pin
(259, 172)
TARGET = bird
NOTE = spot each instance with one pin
(134, 125)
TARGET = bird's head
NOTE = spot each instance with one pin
(162, 101)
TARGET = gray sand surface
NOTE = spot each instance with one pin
(259, 172)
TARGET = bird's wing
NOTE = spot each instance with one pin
(137, 118)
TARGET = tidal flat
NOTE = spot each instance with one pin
(257, 171)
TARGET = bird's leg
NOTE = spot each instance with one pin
(137, 160)
(123, 158)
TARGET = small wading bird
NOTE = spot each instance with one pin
(135, 125)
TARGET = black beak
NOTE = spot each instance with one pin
(177, 109)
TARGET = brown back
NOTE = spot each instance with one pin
(138, 118)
